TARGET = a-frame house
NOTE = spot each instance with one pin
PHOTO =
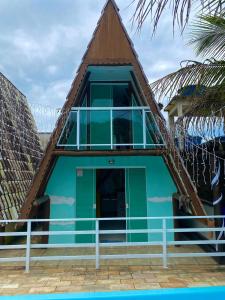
(110, 154)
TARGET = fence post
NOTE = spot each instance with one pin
(27, 266)
(164, 240)
(97, 264)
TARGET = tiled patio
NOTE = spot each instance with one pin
(67, 276)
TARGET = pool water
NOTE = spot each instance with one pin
(204, 293)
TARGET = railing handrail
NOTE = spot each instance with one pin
(114, 219)
(111, 108)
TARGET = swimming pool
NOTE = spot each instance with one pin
(204, 293)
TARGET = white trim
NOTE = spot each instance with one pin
(111, 167)
(144, 127)
(95, 145)
(109, 83)
(111, 108)
(58, 200)
(159, 199)
(111, 129)
(78, 130)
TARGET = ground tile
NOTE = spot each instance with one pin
(40, 290)
(172, 284)
(122, 286)
(142, 286)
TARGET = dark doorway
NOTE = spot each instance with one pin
(110, 202)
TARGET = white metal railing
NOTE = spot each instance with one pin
(163, 229)
(143, 122)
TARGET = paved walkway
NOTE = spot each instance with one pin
(66, 276)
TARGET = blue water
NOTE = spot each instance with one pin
(205, 293)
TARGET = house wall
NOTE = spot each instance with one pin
(62, 189)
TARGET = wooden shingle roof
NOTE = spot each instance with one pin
(20, 150)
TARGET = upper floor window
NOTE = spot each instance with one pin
(110, 116)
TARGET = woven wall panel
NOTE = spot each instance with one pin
(20, 150)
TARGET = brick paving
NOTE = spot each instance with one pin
(81, 276)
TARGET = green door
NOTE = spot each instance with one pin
(136, 203)
(85, 203)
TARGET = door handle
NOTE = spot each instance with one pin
(94, 205)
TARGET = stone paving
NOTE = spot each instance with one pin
(81, 276)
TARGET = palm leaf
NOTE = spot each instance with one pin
(208, 36)
(210, 73)
(180, 10)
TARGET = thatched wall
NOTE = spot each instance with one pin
(20, 150)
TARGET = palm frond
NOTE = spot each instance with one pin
(180, 10)
(210, 73)
(208, 36)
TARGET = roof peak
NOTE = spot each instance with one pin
(113, 2)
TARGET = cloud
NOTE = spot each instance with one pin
(47, 102)
(52, 69)
(52, 94)
(42, 45)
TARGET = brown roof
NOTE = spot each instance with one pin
(20, 150)
(110, 45)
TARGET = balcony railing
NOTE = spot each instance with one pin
(105, 128)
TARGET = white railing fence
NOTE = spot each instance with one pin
(213, 237)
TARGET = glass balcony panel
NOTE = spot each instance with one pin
(100, 129)
(68, 138)
(122, 128)
(83, 129)
(137, 132)
(153, 135)
(95, 130)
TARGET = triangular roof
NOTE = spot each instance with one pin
(111, 45)
(20, 150)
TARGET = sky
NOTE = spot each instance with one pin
(42, 43)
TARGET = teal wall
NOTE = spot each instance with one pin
(62, 188)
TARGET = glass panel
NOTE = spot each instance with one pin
(69, 134)
(95, 129)
(101, 95)
(121, 95)
(153, 135)
(83, 125)
(137, 124)
(100, 129)
(83, 129)
(122, 128)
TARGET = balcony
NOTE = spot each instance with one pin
(110, 128)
